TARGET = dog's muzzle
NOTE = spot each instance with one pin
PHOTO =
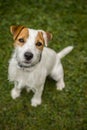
(27, 63)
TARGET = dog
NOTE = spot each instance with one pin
(32, 61)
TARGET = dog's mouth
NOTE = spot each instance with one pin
(28, 64)
(21, 65)
(25, 64)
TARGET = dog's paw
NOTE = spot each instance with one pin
(35, 102)
(60, 85)
(15, 93)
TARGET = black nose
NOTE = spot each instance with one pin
(28, 55)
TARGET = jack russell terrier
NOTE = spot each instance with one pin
(32, 62)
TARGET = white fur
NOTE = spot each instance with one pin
(33, 78)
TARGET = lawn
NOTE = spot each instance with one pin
(60, 110)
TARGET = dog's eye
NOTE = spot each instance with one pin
(21, 40)
(38, 44)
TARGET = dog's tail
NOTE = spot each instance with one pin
(65, 51)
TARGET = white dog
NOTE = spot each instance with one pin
(32, 62)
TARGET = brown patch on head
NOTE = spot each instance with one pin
(20, 34)
(39, 41)
(22, 37)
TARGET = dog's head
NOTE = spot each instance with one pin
(29, 44)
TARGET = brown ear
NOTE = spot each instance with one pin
(15, 30)
(49, 36)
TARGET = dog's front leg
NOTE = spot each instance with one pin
(16, 90)
(36, 100)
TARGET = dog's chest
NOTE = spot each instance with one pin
(31, 79)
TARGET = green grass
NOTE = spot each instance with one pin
(65, 110)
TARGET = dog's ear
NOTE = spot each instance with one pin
(15, 30)
(47, 37)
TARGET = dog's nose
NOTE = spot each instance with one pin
(28, 55)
